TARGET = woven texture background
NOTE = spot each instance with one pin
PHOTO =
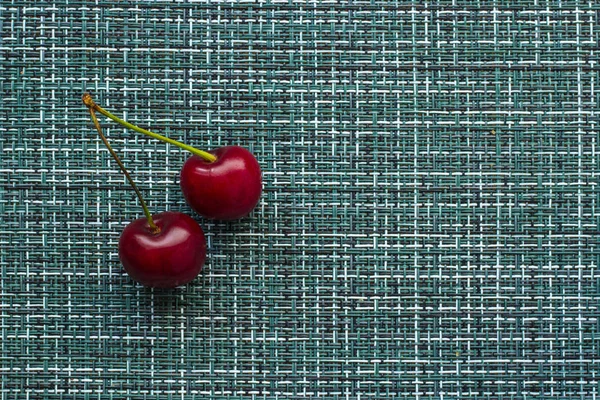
(429, 224)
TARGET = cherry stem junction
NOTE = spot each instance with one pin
(89, 102)
(155, 229)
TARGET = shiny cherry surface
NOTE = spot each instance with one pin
(226, 189)
(170, 258)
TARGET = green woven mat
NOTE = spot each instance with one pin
(429, 224)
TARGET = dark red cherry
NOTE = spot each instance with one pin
(228, 188)
(167, 259)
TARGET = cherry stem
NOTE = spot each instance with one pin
(155, 229)
(89, 102)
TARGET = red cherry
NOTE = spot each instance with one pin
(228, 188)
(167, 259)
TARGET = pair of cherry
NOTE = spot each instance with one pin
(168, 249)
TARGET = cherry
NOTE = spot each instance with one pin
(222, 184)
(164, 251)
(228, 188)
(172, 257)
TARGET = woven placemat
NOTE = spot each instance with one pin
(429, 223)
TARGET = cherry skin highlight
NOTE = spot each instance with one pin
(172, 257)
(228, 188)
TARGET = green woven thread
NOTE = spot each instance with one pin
(429, 225)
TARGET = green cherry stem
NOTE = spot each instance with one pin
(155, 229)
(89, 102)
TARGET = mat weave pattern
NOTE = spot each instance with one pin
(429, 224)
